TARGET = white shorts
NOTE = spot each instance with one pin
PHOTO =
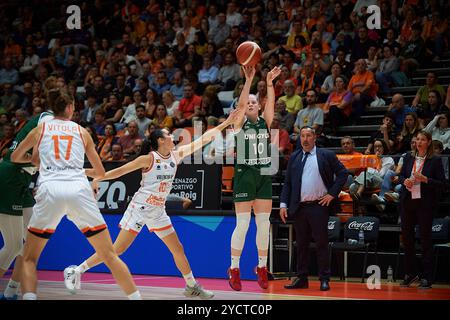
(155, 218)
(55, 198)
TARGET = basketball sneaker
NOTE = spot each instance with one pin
(262, 277)
(72, 279)
(235, 279)
(197, 291)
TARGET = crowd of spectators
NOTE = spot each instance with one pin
(137, 65)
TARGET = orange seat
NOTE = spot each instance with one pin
(227, 179)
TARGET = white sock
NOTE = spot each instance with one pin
(235, 262)
(135, 296)
(262, 262)
(82, 268)
(190, 280)
(11, 289)
(29, 296)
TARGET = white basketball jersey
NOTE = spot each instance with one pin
(157, 182)
(61, 151)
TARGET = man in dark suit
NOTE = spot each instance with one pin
(314, 179)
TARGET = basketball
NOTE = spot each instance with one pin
(248, 53)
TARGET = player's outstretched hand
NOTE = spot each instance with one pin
(249, 72)
(272, 74)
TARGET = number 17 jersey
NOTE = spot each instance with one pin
(61, 151)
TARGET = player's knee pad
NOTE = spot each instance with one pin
(262, 221)
(239, 233)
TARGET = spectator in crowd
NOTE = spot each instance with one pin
(113, 109)
(208, 74)
(106, 142)
(121, 89)
(311, 116)
(361, 45)
(141, 120)
(9, 101)
(339, 104)
(234, 18)
(210, 107)
(127, 140)
(98, 90)
(116, 153)
(229, 73)
(433, 108)
(162, 119)
(307, 79)
(170, 103)
(413, 51)
(7, 140)
(30, 63)
(410, 128)
(8, 74)
(348, 148)
(399, 110)
(161, 84)
(438, 149)
(90, 107)
(287, 118)
(292, 100)
(280, 138)
(223, 144)
(186, 109)
(177, 88)
(137, 147)
(390, 187)
(151, 103)
(99, 122)
(285, 75)
(261, 94)
(385, 133)
(328, 84)
(434, 33)
(440, 130)
(363, 87)
(431, 83)
(389, 64)
(221, 32)
(373, 177)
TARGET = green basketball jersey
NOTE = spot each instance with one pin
(252, 144)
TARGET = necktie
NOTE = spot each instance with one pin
(302, 165)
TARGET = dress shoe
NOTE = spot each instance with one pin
(409, 280)
(298, 283)
(424, 284)
(324, 285)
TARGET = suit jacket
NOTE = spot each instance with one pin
(333, 173)
(85, 111)
(433, 170)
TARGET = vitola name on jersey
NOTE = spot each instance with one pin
(62, 127)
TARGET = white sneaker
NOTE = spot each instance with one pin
(197, 291)
(72, 279)
(380, 203)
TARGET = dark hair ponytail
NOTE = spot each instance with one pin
(61, 103)
(154, 136)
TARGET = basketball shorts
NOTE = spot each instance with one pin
(250, 184)
(14, 189)
(55, 198)
(138, 215)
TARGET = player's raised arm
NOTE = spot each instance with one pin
(206, 138)
(249, 72)
(21, 155)
(138, 163)
(268, 113)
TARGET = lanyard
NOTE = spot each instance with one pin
(420, 168)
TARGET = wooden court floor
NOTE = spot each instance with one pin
(101, 286)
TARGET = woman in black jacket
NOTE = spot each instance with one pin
(422, 176)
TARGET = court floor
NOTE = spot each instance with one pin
(101, 286)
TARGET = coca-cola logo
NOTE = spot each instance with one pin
(366, 226)
(331, 225)
(436, 228)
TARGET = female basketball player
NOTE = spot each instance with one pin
(252, 186)
(63, 187)
(148, 204)
(16, 205)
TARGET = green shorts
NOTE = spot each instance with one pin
(14, 189)
(249, 184)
